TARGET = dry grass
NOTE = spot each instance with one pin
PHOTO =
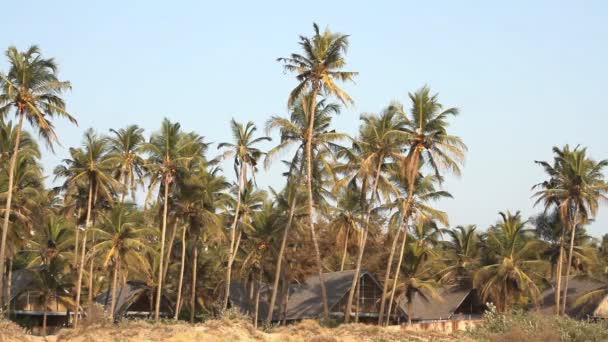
(243, 331)
(10, 332)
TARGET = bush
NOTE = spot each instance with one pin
(530, 327)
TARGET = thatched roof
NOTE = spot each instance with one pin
(445, 305)
(127, 295)
(305, 300)
(577, 286)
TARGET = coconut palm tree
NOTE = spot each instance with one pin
(418, 275)
(418, 207)
(170, 151)
(32, 89)
(245, 156)
(120, 235)
(381, 141)
(199, 197)
(462, 257)
(514, 265)
(429, 142)
(53, 242)
(88, 167)
(294, 135)
(317, 71)
(575, 186)
(125, 151)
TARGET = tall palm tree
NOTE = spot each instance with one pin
(120, 242)
(381, 141)
(294, 135)
(418, 276)
(170, 151)
(199, 197)
(429, 142)
(125, 151)
(410, 205)
(246, 156)
(575, 186)
(32, 88)
(317, 71)
(515, 264)
(88, 167)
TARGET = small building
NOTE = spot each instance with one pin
(304, 300)
(596, 307)
(134, 300)
(449, 304)
(26, 308)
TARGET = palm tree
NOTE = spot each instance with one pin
(120, 242)
(124, 151)
(316, 71)
(53, 242)
(415, 205)
(461, 255)
(294, 134)
(418, 276)
(199, 196)
(32, 88)
(245, 156)
(346, 220)
(575, 186)
(88, 167)
(381, 141)
(514, 262)
(170, 151)
(429, 142)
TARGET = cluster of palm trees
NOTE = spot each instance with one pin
(363, 201)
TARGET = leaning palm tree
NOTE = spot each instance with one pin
(317, 71)
(32, 88)
(246, 157)
(125, 152)
(575, 186)
(120, 236)
(515, 264)
(429, 142)
(88, 167)
(381, 141)
(294, 134)
(170, 152)
(408, 205)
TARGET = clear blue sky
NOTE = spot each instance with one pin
(526, 75)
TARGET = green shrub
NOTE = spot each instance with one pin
(531, 327)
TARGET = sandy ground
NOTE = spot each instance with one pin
(225, 330)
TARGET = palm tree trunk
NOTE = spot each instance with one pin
(114, 283)
(409, 311)
(233, 238)
(389, 266)
(83, 254)
(558, 275)
(344, 251)
(77, 234)
(44, 317)
(313, 234)
(170, 248)
(193, 295)
(257, 299)
(277, 272)
(570, 255)
(181, 275)
(9, 199)
(285, 305)
(396, 278)
(91, 270)
(9, 287)
(351, 295)
(159, 288)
